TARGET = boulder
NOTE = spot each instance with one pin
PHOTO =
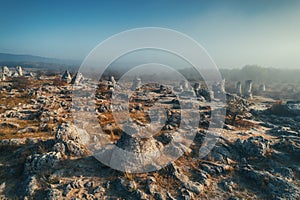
(68, 136)
(253, 146)
(276, 187)
(40, 163)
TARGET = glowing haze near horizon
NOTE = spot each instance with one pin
(235, 33)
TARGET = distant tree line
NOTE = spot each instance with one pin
(262, 75)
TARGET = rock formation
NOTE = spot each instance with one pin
(248, 89)
(239, 88)
(19, 70)
(78, 78)
(184, 85)
(3, 77)
(5, 71)
(137, 84)
(218, 89)
(197, 87)
(262, 88)
(66, 77)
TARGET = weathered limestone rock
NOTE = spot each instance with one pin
(112, 81)
(134, 154)
(121, 184)
(68, 138)
(78, 78)
(38, 163)
(222, 86)
(248, 89)
(253, 146)
(9, 125)
(6, 71)
(184, 85)
(239, 88)
(66, 77)
(19, 70)
(197, 86)
(274, 186)
(31, 186)
(137, 145)
(137, 84)
(2, 77)
(262, 88)
(54, 194)
(178, 174)
(219, 89)
(206, 93)
(220, 153)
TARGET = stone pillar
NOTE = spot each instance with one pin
(211, 95)
(262, 88)
(77, 78)
(19, 70)
(222, 86)
(248, 89)
(197, 86)
(184, 84)
(137, 84)
(66, 77)
(3, 77)
(112, 81)
(6, 71)
(239, 88)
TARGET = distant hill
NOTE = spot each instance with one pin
(31, 61)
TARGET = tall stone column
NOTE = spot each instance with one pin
(239, 88)
(137, 84)
(262, 88)
(222, 86)
(248, 89)
(19, 70)
(184, 84)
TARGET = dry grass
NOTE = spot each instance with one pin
(10, 133)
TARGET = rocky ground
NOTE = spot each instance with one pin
(43, 155)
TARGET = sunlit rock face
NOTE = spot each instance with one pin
(77, 79)
(19, 70)
(5, 71)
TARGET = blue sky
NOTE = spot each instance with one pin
(235, 33)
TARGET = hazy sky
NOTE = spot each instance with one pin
(235, 33)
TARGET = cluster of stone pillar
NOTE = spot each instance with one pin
(75, 80)
(6, 72)
(218, 89)
(247, 89)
